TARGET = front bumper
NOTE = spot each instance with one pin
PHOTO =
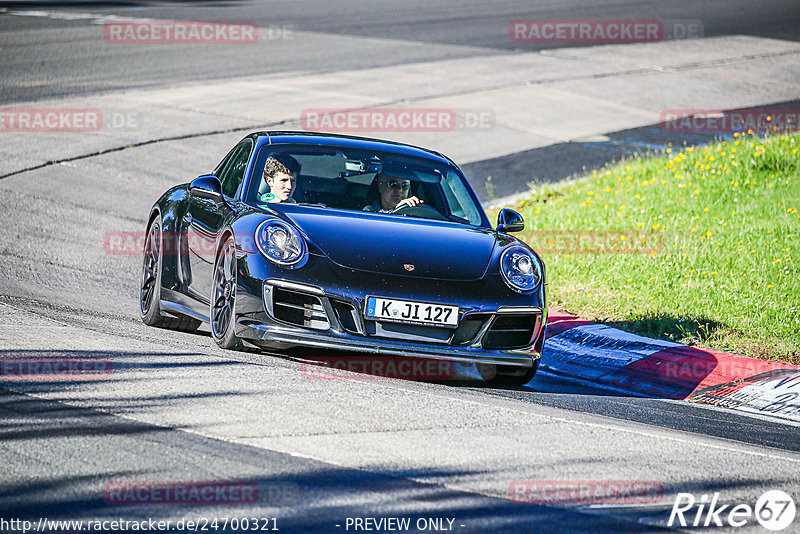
(274, 336)
(258, 323)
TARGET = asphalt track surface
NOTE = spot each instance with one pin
(445, 29)
(177, 408)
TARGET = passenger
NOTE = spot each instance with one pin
(280, 173)
(393, 194)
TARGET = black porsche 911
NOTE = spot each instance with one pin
(336, 242)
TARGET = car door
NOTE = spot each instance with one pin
(204, 220)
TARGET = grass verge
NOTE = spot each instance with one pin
(695, 246)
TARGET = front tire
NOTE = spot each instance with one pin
(223, 297)
(507, 375)
(150, 287)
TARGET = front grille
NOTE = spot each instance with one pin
(299, 309)
(510, 332)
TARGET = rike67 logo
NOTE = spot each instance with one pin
(774, 510)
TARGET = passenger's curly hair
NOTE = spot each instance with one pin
(281, 164)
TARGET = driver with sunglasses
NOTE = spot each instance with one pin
(393, 194)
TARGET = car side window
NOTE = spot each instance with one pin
(458, 198)
(232, 173)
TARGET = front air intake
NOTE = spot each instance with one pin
(347, 314)
(469, 328)
(299, 309)
(510, 332)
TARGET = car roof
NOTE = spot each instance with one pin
(349, 141)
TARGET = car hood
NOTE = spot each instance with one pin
(392, 244)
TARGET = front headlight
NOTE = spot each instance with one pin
(520, 268)
(280, 243)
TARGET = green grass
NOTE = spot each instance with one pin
(697, 246)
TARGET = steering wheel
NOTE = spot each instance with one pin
(420, 210)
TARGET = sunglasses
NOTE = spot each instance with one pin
(396, 184)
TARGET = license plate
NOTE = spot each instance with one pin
(409, 311)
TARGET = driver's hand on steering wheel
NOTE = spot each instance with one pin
(410, 202)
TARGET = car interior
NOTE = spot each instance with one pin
(331, 178)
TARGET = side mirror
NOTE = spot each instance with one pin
(509, 221)
(207, 186)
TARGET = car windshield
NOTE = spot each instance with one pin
(362, 180)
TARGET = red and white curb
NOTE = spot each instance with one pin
(591, 352)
